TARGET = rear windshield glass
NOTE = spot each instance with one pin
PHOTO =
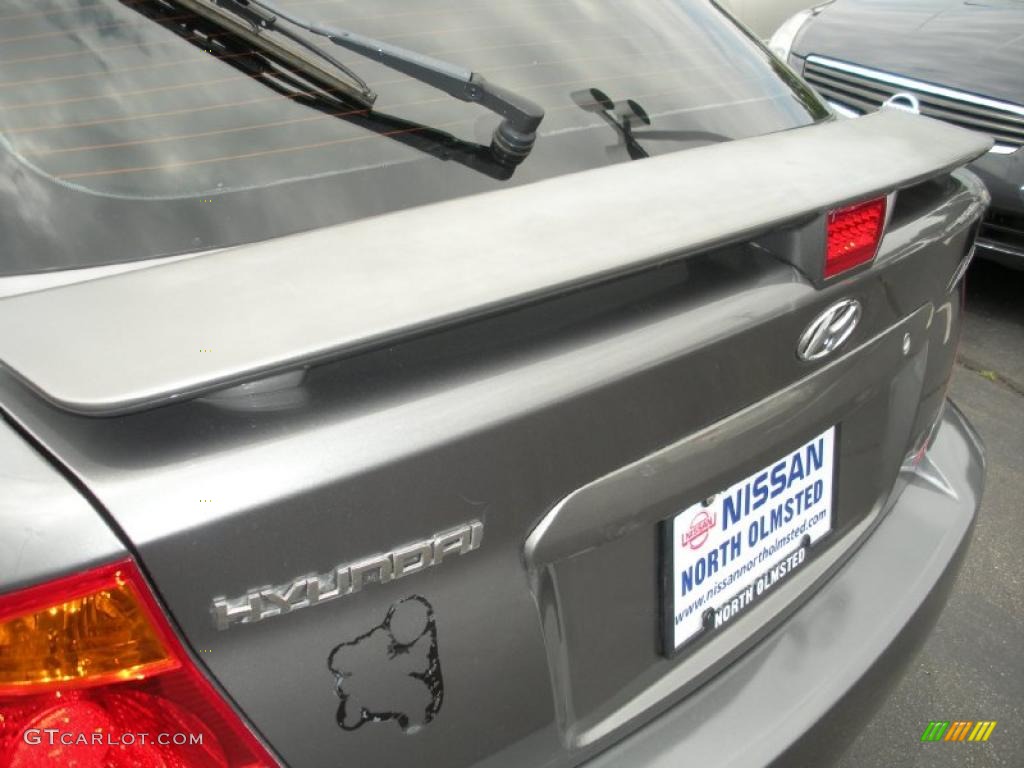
(131, 129)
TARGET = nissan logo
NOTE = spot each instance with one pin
(829, 330)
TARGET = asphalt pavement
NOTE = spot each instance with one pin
(972, 665)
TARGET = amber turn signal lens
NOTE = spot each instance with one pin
(99, 633)
(90, 667)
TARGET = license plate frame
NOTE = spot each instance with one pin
(702, 593)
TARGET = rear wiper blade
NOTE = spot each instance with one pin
(249, 23)
(513, 138)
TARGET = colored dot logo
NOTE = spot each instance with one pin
(958, 730)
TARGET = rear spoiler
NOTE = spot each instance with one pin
(146, 337)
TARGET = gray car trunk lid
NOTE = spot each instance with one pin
(613, 398)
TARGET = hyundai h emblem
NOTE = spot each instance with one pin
(829, 330)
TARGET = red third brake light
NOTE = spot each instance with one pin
(853, 235)
(93, 676)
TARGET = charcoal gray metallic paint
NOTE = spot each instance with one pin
(47, 529)
(570, 419)
(498, 420)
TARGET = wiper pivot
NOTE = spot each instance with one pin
(514, 137)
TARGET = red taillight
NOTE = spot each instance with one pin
(853, 235)
(93, 676)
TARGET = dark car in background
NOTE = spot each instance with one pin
(535, 384)
(961, 61)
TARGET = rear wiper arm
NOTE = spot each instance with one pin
(513, 138)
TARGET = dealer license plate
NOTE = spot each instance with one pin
(724, 554)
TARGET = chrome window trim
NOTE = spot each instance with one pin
(992, 245)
